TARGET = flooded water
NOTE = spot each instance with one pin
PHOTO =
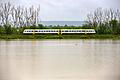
(60, 60)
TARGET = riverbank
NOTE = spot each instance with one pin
(95, 36)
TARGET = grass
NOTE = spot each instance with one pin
(94, 36)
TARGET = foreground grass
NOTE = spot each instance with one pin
(94, 36)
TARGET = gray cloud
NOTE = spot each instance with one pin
(66, 9)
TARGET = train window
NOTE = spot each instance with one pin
(83, 30)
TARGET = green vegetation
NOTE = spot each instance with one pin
(106, 23)
(96, 36)
(109, 30)
(8, 32)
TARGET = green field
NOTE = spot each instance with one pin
(93, 36)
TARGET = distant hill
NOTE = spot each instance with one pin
(62, 23)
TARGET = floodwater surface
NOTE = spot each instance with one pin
(60, 60)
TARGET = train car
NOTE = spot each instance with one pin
(59, 31)
(41, 31)
(78, 31)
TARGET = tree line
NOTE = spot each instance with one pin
(105, 21)
(14, 19)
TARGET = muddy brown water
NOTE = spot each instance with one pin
(60, 60)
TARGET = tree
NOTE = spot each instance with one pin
(104, 20)
(8, 29)
(115, 26)
(18, 16)
(40, 26)
(1, 30)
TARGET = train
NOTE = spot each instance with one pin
(59, 31)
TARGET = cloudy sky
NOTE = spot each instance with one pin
(66, 10)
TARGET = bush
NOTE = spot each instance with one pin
(8, 29)
(1, 30)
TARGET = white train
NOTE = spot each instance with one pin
(59, 31)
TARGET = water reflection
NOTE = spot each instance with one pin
(60, 60)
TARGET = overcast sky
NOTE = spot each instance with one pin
(66, 10)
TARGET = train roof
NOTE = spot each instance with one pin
(59, 29)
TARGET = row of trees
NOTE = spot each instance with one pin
(18, 16)
(14, 18)
(105, 21)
